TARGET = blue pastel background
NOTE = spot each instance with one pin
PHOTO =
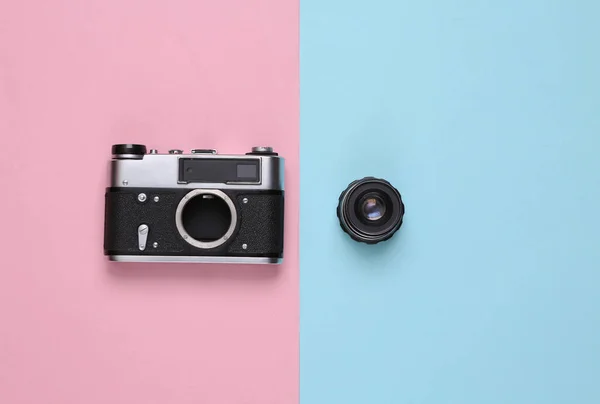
(485, 115)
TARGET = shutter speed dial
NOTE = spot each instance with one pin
(262, 151)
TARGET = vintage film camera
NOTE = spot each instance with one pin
(196, 207)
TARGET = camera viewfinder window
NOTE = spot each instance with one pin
(247, 171)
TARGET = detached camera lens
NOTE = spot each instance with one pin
(370, 210)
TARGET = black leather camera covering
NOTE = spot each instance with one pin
(259, 224)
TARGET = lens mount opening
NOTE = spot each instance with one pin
(370, 210)
(206, 218)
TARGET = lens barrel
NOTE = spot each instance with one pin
(370, 210)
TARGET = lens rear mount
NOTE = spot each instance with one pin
(370, 210)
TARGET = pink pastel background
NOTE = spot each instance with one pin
(76, 77)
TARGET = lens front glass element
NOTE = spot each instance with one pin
(373, 208)
(206, 217)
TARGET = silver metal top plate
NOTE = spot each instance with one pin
(162, 171)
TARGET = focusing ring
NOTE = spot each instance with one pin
(353, 230)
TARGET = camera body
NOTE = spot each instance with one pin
(196, 207)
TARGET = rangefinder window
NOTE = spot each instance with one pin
(247, 172)
(224, 171)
